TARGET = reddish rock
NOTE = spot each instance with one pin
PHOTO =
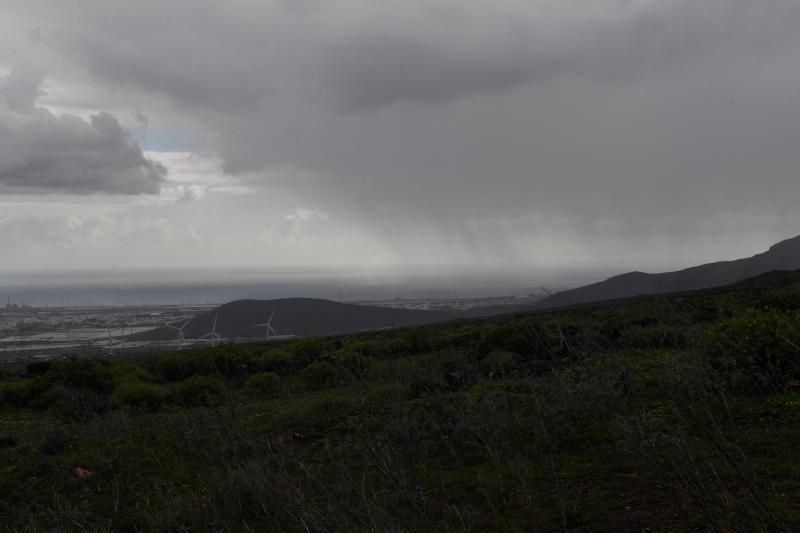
(81, 473)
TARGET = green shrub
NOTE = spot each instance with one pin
(82, 373)
(366, 348)
(396, 347)
(125, 371)
(433, 372)
(575, 405)
(785, 298)
(278, 360)
(48, 397)
(420, 340)
(55, 442)
(654, 336)
(72, 404)
(511, 338)
(38, 368)
(317, 415)
(145, 396)
(78, 404)
(16, 393)
(200, 390)
(322, 374)
(310, 349)
(354, 362)
(757, 352)
(384, 397)
(459, 368)
(498, 363)
(234, 360)
(265, 384)
(178, 366)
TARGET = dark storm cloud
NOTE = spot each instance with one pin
(614, 115)
(471, 52)
(42, 152)
(367, 57)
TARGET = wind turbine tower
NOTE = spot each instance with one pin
(212, 336)
(179, 329)
(110, 347)
(268, 325)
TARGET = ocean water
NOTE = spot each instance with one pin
(205, 287)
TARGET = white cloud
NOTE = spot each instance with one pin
(171, 195)
(302, 214)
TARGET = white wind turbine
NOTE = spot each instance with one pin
(268, 325)
(179, 329)
(122, 334)
(212, 336)
(110, 347)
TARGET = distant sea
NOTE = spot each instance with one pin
(199, 287)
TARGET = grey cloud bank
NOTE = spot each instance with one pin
(516, 130)
(42, 152)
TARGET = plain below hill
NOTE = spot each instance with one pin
(782, 256)
(300, 317)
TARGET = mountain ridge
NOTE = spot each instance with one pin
(299, 317)
(783, 255)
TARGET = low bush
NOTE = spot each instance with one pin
(73, 404)
(178, 366)
(234, 360)
(385, 397)
(367, 348)
(357, 364)
(264, 384)
(200, 390)
(16, 393)
(433, 372)
(574, 405)
(317, 415)
(395, 347)
(125, 371)
(47, 397)
(82, 373)
(308, 350)
(785, 298)
(509, 338)
(38, 368)
(459, 368)
(756, 352)
(54, 442)
(323, 374)
(279, 361)
(498, 363)
(654, 336)
(139, 395)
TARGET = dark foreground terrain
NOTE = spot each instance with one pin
(677, 412)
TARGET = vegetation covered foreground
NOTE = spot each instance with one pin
(669, 413)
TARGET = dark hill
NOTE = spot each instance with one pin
(774, 278)
(301, 317)
(782, 256)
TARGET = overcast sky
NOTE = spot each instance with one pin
(537, 134)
